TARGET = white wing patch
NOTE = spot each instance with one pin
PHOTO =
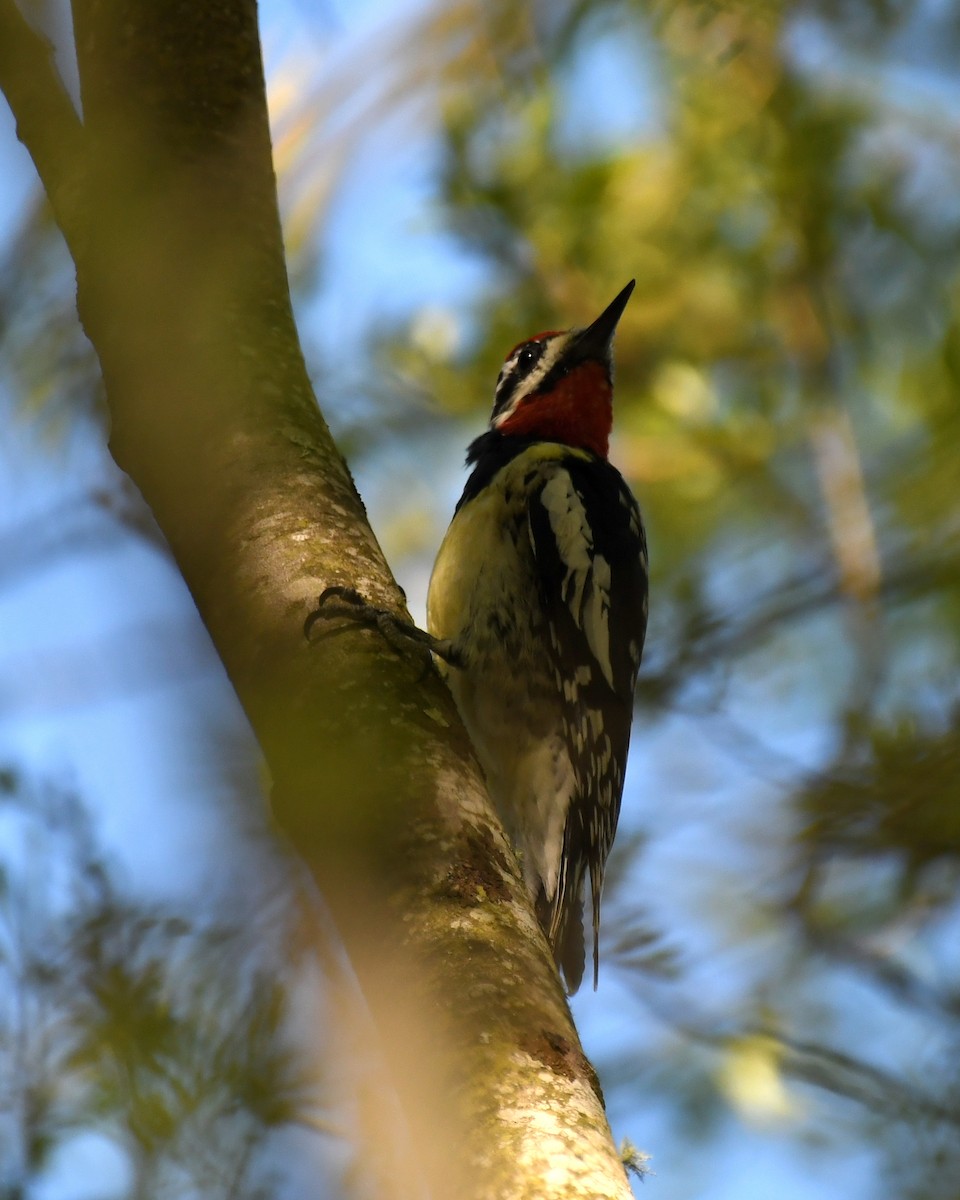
(586, 585)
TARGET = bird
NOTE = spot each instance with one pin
(537, 615)
(537, 607)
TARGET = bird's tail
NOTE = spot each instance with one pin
(562, 922)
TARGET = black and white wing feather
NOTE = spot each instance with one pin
(591, 562)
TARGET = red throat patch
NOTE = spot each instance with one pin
(577, 412)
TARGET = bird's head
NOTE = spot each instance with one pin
(558, 387)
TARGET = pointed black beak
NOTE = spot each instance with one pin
(595, 341)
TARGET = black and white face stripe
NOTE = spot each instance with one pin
(524, 372)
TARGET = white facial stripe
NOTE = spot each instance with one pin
(553, 348)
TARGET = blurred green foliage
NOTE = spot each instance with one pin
(166, 1038)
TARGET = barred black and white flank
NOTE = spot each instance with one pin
(540, 593)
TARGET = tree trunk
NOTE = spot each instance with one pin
(166, 196)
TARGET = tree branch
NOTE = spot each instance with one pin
(47, 123)
(182, 289)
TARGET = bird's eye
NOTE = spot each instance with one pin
(529, 355)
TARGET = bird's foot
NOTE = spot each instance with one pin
(336, 601)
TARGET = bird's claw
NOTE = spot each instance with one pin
(352, 604)
(338, 601)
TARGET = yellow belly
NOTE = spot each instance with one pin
(484, 597)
